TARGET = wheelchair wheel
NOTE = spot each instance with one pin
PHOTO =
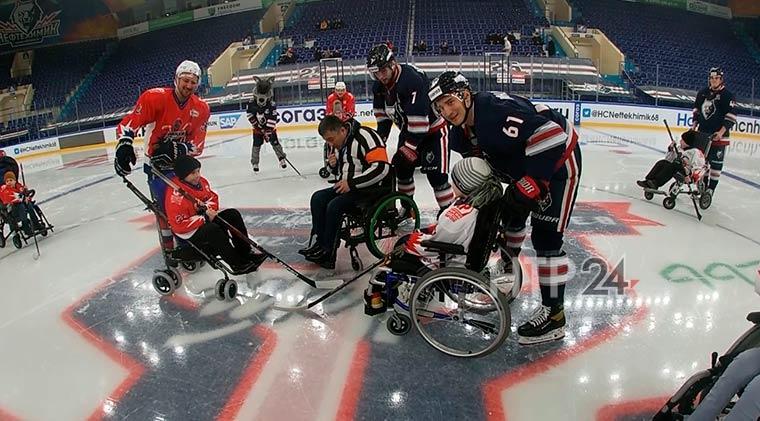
(163, 282)
(442, 311)
(324, 172)
(226, 289)
(17, 241)
(192, 266)
(705, 200)
(648, 195)
(386, 225)
(399, 324)
(669, 202)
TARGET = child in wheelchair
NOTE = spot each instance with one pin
(474, 186)
(686, 164)
(692, 145)
(201, 225)
(19, 207)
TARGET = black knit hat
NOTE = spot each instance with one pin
(184, 165)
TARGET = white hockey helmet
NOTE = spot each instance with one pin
(340, 87)
(190, 67)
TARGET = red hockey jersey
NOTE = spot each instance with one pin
(11, 195)
(182, 212)
(159, 111)
(348, 102)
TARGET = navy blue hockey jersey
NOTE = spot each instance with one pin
(406, 104)
(515, 136)
(263, 119)
(713, 110)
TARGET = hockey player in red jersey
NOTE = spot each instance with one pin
(345, 99)
(175, 122)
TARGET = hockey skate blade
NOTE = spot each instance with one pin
(555, 335)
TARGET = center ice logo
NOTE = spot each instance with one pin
(243, 359)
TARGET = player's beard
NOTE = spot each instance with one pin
(183, 93)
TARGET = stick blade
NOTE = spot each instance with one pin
(291, 309)
(328, 283)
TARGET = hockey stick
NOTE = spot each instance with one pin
(327, 284)
(679, 156)
(321, 298)
(294, 168)
(34, 231)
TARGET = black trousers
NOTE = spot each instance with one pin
(215, 238)
(663, 170)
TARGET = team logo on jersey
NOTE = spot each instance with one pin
(708, 108)
(28, 25)
(194, 113)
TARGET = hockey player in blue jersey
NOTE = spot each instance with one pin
(536, 151)
(714, 115)
(262, 113)
(400, 97)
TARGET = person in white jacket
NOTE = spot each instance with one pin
(474, 186)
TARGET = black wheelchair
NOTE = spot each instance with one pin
(457, 310)
(15, 232)
(378, 220)
(696, 388)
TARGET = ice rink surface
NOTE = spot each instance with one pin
(83, 333)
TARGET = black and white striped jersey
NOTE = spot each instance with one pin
(363, 159)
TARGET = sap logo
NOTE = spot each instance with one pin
(586, 112)
(228, 121)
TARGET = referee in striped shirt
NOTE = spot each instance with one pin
(365, 173)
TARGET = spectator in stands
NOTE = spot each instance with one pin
(324, 25)
(536, 37)
(511, 38)
(337, 23)
(289, 57)
(422, 45)
(317, 54)
(327, 53)
(551, 49)
(507, 46)
(337, 54)
(444, 47)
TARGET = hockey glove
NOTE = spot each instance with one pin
(125, 157)
(528, 195)
(404, 156)
(167, 152)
